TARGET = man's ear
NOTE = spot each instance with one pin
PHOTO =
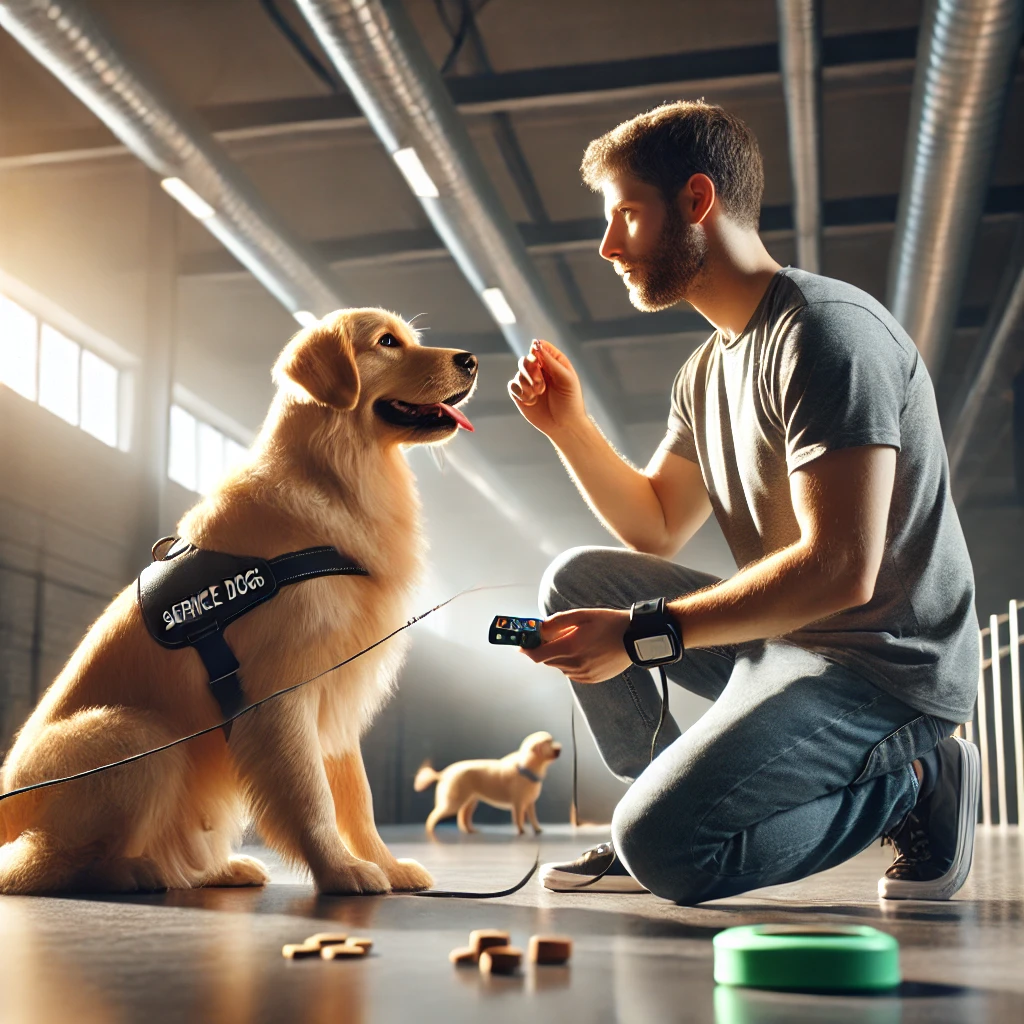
(321, 360)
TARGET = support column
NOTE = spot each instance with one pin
(154, 377)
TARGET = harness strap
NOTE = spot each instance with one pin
(303, 565)
(224, 588)
(222, 667)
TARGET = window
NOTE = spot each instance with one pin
(43, 365)
(19, 348)
(199, 454)
(59, 373)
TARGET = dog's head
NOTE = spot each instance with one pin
(370, 365)
(541, 746)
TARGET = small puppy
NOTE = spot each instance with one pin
(513, 783)
(328, 468)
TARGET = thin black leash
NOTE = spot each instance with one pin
(654, 748)
(280, 693)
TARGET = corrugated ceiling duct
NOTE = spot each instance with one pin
(71, 43)
(377, 51)
(965, 58)
(800, 60)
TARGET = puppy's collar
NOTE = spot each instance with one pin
(528, 773)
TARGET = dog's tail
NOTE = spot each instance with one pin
(425, 777)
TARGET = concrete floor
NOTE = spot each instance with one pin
(215, 954)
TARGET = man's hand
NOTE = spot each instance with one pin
(547, 391)
(585, 644)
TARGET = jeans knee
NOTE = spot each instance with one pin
(565, 581)
(658, 856)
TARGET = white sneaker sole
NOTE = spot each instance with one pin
(567, 881)
(945, 886)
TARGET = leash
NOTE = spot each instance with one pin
(654, 747)
(436, 893)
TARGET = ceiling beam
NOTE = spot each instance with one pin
(845, 58)
(392, 247)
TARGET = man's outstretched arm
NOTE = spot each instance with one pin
(841, 502)
(656, 510)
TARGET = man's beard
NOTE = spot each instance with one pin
(663, 278)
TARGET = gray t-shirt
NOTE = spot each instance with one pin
(823, 366)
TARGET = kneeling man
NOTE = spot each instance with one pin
(842, 654)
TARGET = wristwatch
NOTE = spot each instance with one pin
(653, 637)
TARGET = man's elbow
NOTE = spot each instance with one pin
(855, 586)
(662, 547)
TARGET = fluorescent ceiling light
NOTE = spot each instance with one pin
(191, 200)
(498, 305)
(305, 318)
(411, 166)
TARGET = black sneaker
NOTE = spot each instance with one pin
(935, 842)
(600, 863)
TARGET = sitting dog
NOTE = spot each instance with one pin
(327, 469)
(513, 783)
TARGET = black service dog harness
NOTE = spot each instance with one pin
(187, 596)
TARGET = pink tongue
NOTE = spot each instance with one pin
(456, 414)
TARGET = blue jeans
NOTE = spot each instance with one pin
(798, 765)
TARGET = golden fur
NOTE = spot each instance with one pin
(462, 785)
(326, 469)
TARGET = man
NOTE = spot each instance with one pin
(842, 654)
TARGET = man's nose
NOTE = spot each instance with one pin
(610, 249)
(466, 361)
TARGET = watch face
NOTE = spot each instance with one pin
(652, 648)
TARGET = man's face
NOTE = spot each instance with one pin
(653, 249)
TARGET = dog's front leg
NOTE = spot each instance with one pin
(277, 750)
(353, 808)
(532, 812)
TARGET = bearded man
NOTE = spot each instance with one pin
(844, 651)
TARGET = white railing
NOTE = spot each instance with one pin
(998, 723)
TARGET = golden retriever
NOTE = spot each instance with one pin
(326, 469)
(500, 783)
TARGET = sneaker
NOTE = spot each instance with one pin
(599, 863)
(935, 842)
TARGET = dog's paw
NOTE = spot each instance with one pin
(123, 874)
(240, 871)
(358, 878)
(409, 876)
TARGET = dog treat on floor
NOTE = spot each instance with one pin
(463, 957)
(299, 950)
(549, 949)
(363, 943)
(322, 939)
(342, 952)
(484, 938)
(500, 960)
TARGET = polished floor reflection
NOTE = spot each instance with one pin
(215, 955)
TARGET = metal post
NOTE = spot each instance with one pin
(997, 717)
(1018, 724)
(986, 782)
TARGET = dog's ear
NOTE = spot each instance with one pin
(321, 360)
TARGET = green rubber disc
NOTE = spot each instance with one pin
(808, 958)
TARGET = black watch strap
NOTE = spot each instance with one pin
(653, 637)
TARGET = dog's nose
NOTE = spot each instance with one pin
(466, 361)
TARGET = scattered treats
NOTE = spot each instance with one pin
(549, 949)
(463, 957)
(322, 939)
(484, 938)
(365, 944)
(299, 950)
(500, 960)
(342, 952)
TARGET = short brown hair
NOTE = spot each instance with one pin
(667, 145)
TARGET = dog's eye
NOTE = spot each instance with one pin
(389, 341)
